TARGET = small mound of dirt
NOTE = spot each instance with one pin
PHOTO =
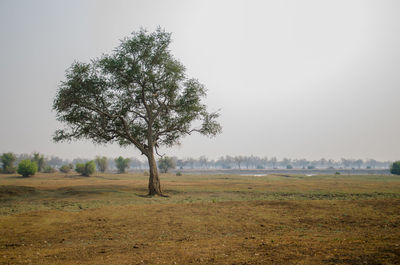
(7, 191)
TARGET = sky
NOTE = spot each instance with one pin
(298, 79)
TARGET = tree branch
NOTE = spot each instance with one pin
(133, 140)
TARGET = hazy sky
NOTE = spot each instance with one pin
(293, 79)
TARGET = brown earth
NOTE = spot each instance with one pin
(73, 220)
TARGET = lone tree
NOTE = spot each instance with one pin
(138, 95)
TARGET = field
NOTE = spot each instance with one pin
(207, 219)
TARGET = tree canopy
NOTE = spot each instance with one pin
(138, 95)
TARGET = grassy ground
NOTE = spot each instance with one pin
(221, 219)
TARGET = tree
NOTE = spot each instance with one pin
(8, 160)
(165, 163)
(359, 163)
(203, 161)
(239, 160)
(395, 168)
(122, 164)
(39, 160)
(86, 169)
(139, 95)
(101, 163)
(27, 168)
(135, 163)
(273, 161)
(55, 161)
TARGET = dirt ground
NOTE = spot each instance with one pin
(105, 219)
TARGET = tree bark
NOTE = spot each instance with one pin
(154, 180)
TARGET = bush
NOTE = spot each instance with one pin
(27, 168)
(310, 167)
(65, 168)
(289, 167)
(49, 169)
(395, 168)
(178, 174)
(86, 169)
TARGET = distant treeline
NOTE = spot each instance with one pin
(228, 162)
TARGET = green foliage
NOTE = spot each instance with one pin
(86, 169)
(27, 168)
(8, 160)
(289, 167)
(39, 160)
(137, 95)
(395, 168)
(166, 163)
(49, 169)
(122, 164)
(80, 168)
(101, 163)
(179, 174)
(65, 168)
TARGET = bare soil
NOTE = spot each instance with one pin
(107, 219)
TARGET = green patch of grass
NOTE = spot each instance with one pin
(76, 193)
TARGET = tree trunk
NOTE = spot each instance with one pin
(154, 180)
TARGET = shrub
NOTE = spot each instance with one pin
(395, 168)
(146, 173)
(27, 168)
(289, 167)
(178, 174)
(8, 159)
(86, 169)
(337, 173)
(310, 167)
(49, 169)
(80, 168)
(65, 168)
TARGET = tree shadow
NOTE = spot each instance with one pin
(151, 196)
(17, 177)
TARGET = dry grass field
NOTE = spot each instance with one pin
(219, 219)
